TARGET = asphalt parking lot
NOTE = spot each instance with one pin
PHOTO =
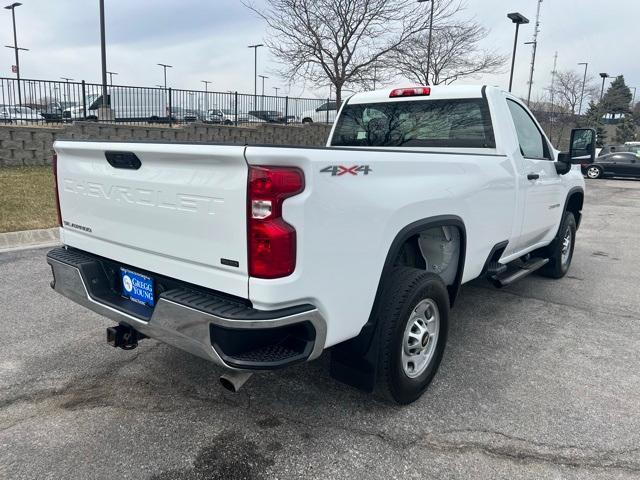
(539, 380)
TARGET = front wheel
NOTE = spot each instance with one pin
(594, 172)
(560, 252)
(413, 321)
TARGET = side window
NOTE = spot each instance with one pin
(532, 142)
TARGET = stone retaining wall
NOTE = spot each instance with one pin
(33, 145)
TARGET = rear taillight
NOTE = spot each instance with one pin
(271, 241)
(54, 166)
(410, 92)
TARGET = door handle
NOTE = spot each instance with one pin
(533, 176)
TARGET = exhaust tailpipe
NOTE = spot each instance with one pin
(234, 380)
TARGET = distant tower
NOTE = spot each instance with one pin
(553, 85)
(553, 79)
(536, 30)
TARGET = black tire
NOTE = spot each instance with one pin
(307, 120)
(594, 171)
(557, 267)
(403, 290)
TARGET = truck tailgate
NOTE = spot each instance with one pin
(182, 213)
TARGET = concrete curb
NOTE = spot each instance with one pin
(29, 239)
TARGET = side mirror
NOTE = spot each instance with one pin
(582, 148)
(563, 165)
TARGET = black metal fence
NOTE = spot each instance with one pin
(46, 101)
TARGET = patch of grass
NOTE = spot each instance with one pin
(27, 199)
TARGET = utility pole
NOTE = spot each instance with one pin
(255, 73)
(536, 30)
(276, 89)
(15, 47)
(584, 80)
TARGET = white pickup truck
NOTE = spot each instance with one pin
(258, 257)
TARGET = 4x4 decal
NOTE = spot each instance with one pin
(338, 170)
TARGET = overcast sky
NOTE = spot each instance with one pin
(207, 40)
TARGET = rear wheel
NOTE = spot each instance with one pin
(414, 321)
(594, 172)
(560, 252)
(307, 120)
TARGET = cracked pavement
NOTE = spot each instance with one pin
(539, 380)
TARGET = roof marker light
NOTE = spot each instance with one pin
(410, 92)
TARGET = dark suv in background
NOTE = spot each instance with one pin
(615, 161)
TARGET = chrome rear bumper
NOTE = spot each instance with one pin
(178, 320)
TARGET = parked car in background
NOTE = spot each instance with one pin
(53, 111)
(247, 118)
(216, 115)
(19, 115)
(187, 115)
(325, 113)
(128, 105)
(616, 164)
(272, 116)
(627, 147)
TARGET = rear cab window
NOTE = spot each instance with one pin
(457, 123)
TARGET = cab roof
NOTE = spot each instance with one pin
(437, 92)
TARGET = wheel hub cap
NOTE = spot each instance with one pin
(420, 338)
(565, 252)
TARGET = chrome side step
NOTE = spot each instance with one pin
(521, 271)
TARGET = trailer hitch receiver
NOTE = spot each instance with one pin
(124, 337)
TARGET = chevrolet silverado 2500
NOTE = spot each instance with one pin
(259, 257)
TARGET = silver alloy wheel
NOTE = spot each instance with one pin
(420, 338)
(593, 172)
(565, 253)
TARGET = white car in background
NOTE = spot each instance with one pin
(19, 115)
(325, 113)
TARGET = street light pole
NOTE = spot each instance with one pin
(430, 37)
(206, 96)
(12, 7)
(111, 74)
(263, 77)
(67, 80)
(518, 19)
(584, 80)
(278, 88)
(165, 66)
(255, 73)
(103, 52)
(604, 76)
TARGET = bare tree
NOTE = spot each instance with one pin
(338, 42)
(567, 90)
(455, 50)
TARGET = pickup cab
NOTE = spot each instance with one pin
(257, 258)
